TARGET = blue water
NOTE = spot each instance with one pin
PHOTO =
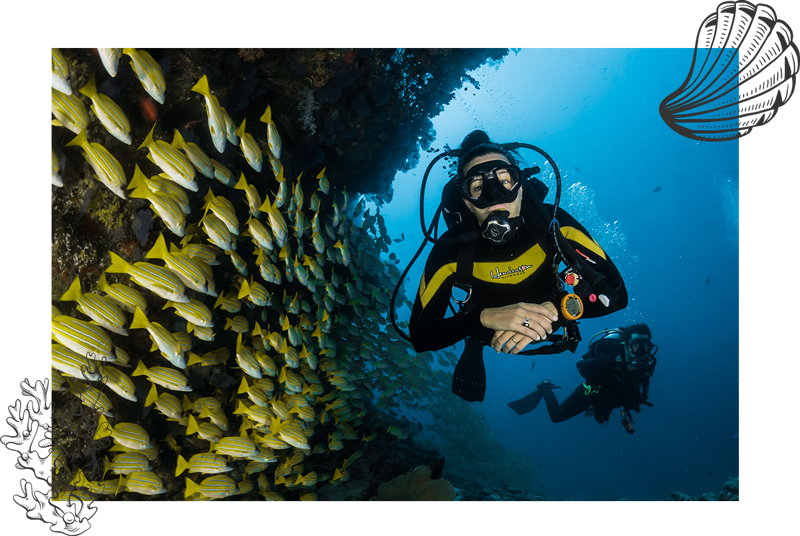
(595, 112)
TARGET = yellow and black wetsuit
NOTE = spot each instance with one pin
(519, 271)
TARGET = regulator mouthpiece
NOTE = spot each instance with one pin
(498, 228)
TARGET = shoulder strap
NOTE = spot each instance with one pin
(464, 260)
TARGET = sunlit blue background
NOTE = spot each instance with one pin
(595, 111)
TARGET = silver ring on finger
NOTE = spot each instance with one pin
(527, 323)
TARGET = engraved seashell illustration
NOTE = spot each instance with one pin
(743, 70)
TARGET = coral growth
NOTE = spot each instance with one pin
(730, 493)
(307, 107)
(250, 54)
(417, 486)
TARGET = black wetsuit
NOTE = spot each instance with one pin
(609, 382)
(518, 271)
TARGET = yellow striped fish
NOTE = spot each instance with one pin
(214, 357)
(203, 252)
(238, 324)
(255, 413)
(99, 308)
(69, 111)
(342, 475)
(255, 292)
(217, 486)
(260, 234)
(223, 209)
(126, 463)
(195, 154)
(238, 263)
(306, 413)
(217, 232)
(162, 337)
(204, 334)
(206, 430)
(166, 403)
(267, 364)
(142, 482)
(149, 73)
(229, 303)
(127, 434)
(283, 189)
(92, 398)
(74, 364)
(324, 183)
(177, 167)
(189, 271)
(291, 381)
(216, 119)
(108, 112)
(60, 72)
(56, 167)
(236, 446)
(222, 173)
(276, 222)
(163, 186)
(166, 206)
(195, 312)
(108, 170)
(246, 359)
(118, 381)
(230, 127)
(256, 394)
(344, 250)
(155, 278)
(271, 495)
(273, 138)
(86, 339)
(252, 152)
(268, 271)
(309, 480)
(163, 376)
(205, 462)
(292, 433)
(126, 297)
(253, 198)
(245, 486)
(106, 487)
(110, 58)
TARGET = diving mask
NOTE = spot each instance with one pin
(644, 354)
(640, 346)
(490, 183)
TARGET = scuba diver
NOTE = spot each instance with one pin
(617, 369)
(504, 248)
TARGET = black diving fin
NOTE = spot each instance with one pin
(528, 403)
(469, 376)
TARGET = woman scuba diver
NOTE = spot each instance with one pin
(505, 247)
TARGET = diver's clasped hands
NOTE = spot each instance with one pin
(519, 324)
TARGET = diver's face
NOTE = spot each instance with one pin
(513, 207)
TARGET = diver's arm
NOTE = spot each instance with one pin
(428, 327)
(592, 255)
(507, 323)
(430, 331)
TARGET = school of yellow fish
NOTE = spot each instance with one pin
(316, 363)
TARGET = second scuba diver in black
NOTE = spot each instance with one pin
(617, 371)
(504, 248)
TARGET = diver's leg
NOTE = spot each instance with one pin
(575, 403)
